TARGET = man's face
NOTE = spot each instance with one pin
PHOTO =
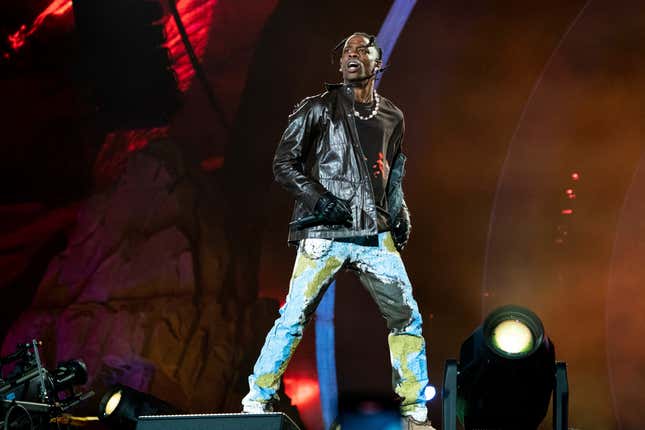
(358, 60)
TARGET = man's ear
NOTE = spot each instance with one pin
(378, 64)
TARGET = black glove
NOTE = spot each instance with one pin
(334, 210)
(401, 230)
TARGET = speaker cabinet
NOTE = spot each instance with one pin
(269, 421)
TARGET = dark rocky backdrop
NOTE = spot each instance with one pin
(159, 255)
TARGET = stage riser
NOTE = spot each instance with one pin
(273, 421)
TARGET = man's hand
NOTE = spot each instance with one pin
(401, 232)
(335, 211)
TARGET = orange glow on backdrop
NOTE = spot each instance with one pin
(302, 391)
(55, 8)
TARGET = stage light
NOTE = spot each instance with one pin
(121, 406)
(429, 392)
(505, 376)
(112, 403)
(512, 337)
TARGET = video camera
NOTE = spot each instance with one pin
(31, 396)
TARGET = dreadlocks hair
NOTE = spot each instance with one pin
(370, 37)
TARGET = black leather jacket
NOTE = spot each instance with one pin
(320, 151)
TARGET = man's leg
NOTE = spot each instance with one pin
(382, 272)
(313, 271)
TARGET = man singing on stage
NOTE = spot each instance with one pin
(340, 156)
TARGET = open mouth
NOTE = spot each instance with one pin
(353, 66)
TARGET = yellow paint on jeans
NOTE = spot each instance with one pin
(388, 242)
(407, 387)
(331, 265)
(302, 263)
(272, 380)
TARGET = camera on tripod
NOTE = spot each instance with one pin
(31, 396)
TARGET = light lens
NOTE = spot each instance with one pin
(113, 403)
(429, 392)
(513, 337)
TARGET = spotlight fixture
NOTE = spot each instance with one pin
(121, 406)
(505, 376)
(429, 392)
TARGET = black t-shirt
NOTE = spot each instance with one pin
(380, 138)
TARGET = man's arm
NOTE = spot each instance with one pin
(401, 223)
(290, 156)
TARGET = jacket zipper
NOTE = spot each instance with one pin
(359, 150)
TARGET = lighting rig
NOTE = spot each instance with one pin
(505, 376)
(121, 407)
(32, 396)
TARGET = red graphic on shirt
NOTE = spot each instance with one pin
(381, 166)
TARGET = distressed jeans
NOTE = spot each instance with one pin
(382, 272)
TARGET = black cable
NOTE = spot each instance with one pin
(6, 416)
(199, 70)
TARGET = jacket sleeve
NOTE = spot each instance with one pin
(291, 154)
(404, 213)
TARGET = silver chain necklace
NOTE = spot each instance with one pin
(374, 111)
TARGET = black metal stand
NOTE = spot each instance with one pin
(449, 395)
(561, 398)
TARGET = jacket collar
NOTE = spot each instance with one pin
(342, 88)
(332, 86)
